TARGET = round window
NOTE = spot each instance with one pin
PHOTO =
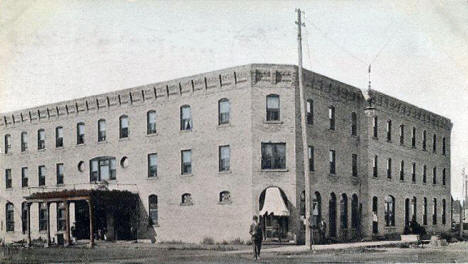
(124, 162)
(81, 166)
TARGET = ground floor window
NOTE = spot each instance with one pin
(389, 211)
(43, 217)
(344, 211)
(10, 217)
(24, 217)
(61, 218)
(354, 212)
(153, 209)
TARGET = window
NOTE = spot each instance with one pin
(434, 175)
(353, 124)
(80, 133)
(151, 122)
(24, 217)
(375, 166)
(152, 165)
(224, 109)
(375, 207)
(185, 118)
(273, 156)
(124, 162)
(10, 217)
(302, 204)
(413, 172)
(41, 139)
(24, 177)
(60, 173)
(444, 177)
(389, 168)
(344, 211)
(389, 130)
(153, 209)
(42, 175)
(402, 170)
(123, 120)
(101, 130)
(376, 127)
(331, 117)
(224, 158)
(434, 212)
(444, 213)
(316, 208)
(102, 169)
(7, 143)
(24, 141)
(425, 211)
(443, 147)
(311, 159)
(186, 167)
(354, 165)
(424, 174)
(273, 107)
(310, 112)
(43, 216)
(389, 211)
(186, 199)
(59, 137)
(424, 140)
(413, 138)
(332, 158)
(61, 220)
(225, 197)
(402, 134)
(354, 212)
(434, 143)
(8, 179)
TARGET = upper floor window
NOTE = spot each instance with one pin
(102, 169)
(332, 160)
(58, 137)
(424, 174)
(42, 175)
(413, 172)
(153, 209)
(185, 118)
(10, 217)
(273, 155)
(354, 165)
(353, 124)
(443, 147)
(424, 140)
(311, 159)
(413, 138)
(7, 143)
(375, 166)
(186, 162)
(389, 211)
(434, 143)
(24, 141)
(80, 133)
(402, 134)
(152, 165)
(444, 176)
(310, 112)
(224, 197)
(151, 122)
(224, 109)
(24, 177)
(59, 173)
(273, 107)
(123, 120)
(186, 199)
(8, 179)
(402, 170)
(389, 130)
(224, 158)
(101, 130)
(389, 168)
(375, 126)
(41, 139)
(434, 175)
(331, 117)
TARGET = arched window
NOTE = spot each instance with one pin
(123, 121)
(425, 211)
(414, 209)
(354, 212)
(224, 109)
(7, 143)
(353, 124)
(434, 143)
(344, 211)
(389, 130)
(272, 107)
(443, 147)
(224, 197)
(316, 209)
(24, 141)
(310, 112)
(153, 209)
(10, 217)
(444, 212)
(332, 214)
(80, 133)
(41, 139)
(375, 219)
(151, 122)
(101, 130)
(59, 137)
(424, 136)
(444, 176)
(186, 199)
(434, 212)
(24, 217)
(389, 211)
(186, 118)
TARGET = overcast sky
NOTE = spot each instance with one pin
(52, 51)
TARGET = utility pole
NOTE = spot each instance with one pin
(305, 146)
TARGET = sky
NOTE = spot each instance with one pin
(52, 51)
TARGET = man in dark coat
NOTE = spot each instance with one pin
(257, 236)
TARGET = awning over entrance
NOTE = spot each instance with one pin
(274, 203)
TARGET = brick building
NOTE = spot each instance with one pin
(198, 156)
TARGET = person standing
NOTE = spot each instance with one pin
(257, 236)
(322, 230)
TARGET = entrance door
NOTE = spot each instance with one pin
(81, 220)
(332, 215)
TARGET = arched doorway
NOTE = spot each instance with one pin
(375, 220)
(332, 214)
(274, 214)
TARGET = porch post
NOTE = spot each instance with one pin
(48, 223)
(67, 223)
(28, 223)
(91, 222)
